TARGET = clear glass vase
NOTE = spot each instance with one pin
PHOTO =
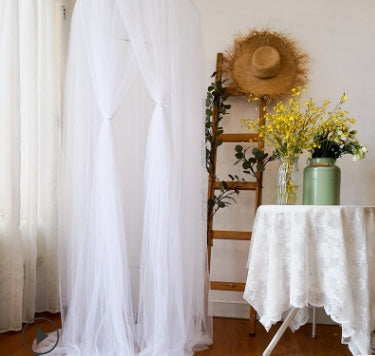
(287, 181)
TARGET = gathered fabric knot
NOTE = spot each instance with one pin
(164, 104)
(102, 117)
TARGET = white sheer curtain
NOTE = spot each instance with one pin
(165, 36)
(116, 45)
(29, 145)
(95, 284)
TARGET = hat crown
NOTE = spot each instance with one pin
(265, 62)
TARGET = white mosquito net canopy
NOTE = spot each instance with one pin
(132, 245)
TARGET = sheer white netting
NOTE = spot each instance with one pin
(133, 268)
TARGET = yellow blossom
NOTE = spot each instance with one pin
(292, 128)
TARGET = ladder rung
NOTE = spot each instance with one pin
(228, 286)
(238, 184)
(238, 137)
(231, 235)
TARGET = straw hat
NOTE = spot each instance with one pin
(266, 64)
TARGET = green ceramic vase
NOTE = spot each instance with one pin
(321, 182)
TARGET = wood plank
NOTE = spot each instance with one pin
(231, 235)
(228, 286)
(11, 343)
(238, 137)
(231, 339)
(252, 321)
(240, 185)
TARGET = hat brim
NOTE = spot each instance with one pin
(292, 72)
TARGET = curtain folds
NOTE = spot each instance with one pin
(134, 196)
(96, 296)
(167, 46)
(29, 131)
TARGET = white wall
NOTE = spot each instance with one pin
(338, 36)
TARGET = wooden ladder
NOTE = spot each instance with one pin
(213, 184)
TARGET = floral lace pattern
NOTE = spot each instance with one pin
(319, 256)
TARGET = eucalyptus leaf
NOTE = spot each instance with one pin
(238, 148)
(246, 165)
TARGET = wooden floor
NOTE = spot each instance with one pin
(11, 343)
(230, 338)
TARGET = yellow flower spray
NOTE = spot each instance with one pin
(288, 129)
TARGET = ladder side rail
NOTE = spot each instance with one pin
(212, 176)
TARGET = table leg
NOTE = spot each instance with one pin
(314, 323)
(280, 332)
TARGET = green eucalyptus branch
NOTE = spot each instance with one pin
(254, 163)
(215, 100)
(226, 196)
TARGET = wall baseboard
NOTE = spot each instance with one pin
(230, 309)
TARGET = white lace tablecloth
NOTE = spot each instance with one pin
(315, 255)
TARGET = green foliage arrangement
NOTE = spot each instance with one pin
(251, 164)
(225, 197)
(255, 163)
(215, 96)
